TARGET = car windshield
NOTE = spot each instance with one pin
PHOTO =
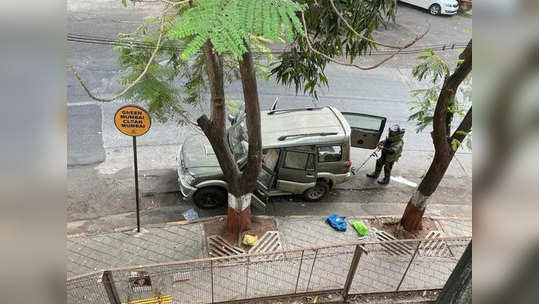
(237, 139)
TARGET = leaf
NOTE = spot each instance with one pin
(233, 105)
(455, 143)
(228, 24)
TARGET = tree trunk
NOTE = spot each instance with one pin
(239, 213)
(241, 185)
(413, 214)
(443, 153)
(458, 288)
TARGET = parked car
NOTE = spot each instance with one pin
(436, 7)
(305, 151)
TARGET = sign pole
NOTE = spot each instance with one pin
(133, 121)
(136, 181)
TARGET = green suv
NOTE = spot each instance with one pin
(305, 151)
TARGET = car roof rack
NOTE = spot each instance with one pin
(294, 110)
(281, 138)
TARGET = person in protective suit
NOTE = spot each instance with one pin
(391, 151)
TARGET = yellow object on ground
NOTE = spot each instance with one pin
(164, 299)
(249, 240)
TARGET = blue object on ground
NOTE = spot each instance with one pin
(190, 215)
(337, 222)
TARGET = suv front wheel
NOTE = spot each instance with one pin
(435, 9)
(316, 193)
(210, 197)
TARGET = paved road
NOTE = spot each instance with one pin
(100, 172)
(383, 91)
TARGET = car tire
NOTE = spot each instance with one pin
(316, 193)
(210, 198)
(435, 9)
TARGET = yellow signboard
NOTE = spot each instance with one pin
(132, 120)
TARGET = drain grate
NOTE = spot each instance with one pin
(434, 248)
(219, 247)
(269, 242)
(392, 248)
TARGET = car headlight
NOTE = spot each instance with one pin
(189, 179)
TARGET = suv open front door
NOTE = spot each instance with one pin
(366, 129)
(264, 182)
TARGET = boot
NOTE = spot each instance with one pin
(385, 180)
(387, 173)
(377, 170)
(374, 174)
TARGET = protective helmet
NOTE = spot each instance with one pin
(395, 130)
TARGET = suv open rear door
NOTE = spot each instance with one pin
(366, 129)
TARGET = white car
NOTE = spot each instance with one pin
(436, 7)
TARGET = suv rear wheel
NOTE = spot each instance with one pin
(316, 193)
(210, 197)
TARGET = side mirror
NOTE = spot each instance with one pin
(231, 118)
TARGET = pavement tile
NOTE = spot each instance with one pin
(377, 271)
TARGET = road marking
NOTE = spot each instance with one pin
(402, 180)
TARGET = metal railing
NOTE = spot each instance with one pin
(351, 268)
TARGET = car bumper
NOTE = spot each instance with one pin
(341, 178)
(449, 10)
(186, 189)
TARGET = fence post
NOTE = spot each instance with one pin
(312, 268)
(247, 277)
(408, 267)
(299, 271)
(211, 272)
(352, 271)
(110, 288)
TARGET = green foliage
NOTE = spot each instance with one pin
(455, 143)
(434, 69)
(262, 56)
(157, 87)
(431, 66)
(303, 68)
(228, 24)
(233, 105)
(177, 80)
(172, 85)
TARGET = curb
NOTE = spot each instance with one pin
(276, 218)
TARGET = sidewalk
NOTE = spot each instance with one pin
(178, 241)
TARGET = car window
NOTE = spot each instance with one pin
(363, 121)
(329, 154)
(238, 140)
(295, 160)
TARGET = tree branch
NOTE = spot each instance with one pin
(449, 88)
(339, 14)
(215, 127)
(214, 68)
(463, 129)
(352, 64)
(135, 82)
(252, 111)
